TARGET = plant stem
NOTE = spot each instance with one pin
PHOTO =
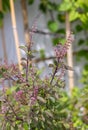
(27, 67)
(17, 118)
(55, 71)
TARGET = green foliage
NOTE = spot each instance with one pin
(54, 109)
(79, 28)
(55, 41)
(30, 2)
(6, 5)
(1, 18)
(61, 17)
(5, 8)
(46, 5)
(43, 5)
(42, 53)
(82, 53)
(53, 26)
(1, 15)
(66, 5)
(74, 15)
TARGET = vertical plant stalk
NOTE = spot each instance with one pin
(26, 33)
(27, 69)
(3, 36)
(69, 56)
(3, 44)
(15, 33)
(55, 71)
(11, 107)
(25, 22)
(3, 40)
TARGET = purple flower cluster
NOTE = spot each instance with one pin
(19, 77)
(61, 50)
(19, 95)
(7, 66)
(34, 28)
(34, 95)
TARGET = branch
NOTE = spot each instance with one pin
(43, 59)
(17, 118)
(43, 32)
(55, 71)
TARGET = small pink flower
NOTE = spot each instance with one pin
(34, 95)
(4, 109)
(61, 50)
(19, 95)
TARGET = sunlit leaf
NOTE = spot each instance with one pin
(25, 126)
(53, 26)
(65, 6)
(24, 48)
(51, 65)
(73, 15)
(11, 90)
(41, 99)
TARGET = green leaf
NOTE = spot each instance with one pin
(84, 20)
(61, 17)
(1, 18)
(1, 23)
(55, 41)
(80, 42)
(30, 2)
(41, 99)
(6, 5)
(52, 99)
(75, 92)
(53, 26)
(49, 113)
(42, 53)
(51, 6)
(1, 15)
(86, 67)
(73, 15)
(43, 8)
(34, 51)
(62, 41)
(39, 72)
(10, 90)
(8, 126)
(79, 28)
(65, 6)
(61, 30)
(51, 65)
(16, 127)
(24, 48)
(82, 53)
(25, 126)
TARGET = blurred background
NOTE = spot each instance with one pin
(51, 20)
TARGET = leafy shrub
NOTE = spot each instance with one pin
(32, 103)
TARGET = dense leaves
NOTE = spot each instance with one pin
(34, 103)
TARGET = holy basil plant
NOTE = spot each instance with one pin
(35, 103)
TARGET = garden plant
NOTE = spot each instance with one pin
(35, 103)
